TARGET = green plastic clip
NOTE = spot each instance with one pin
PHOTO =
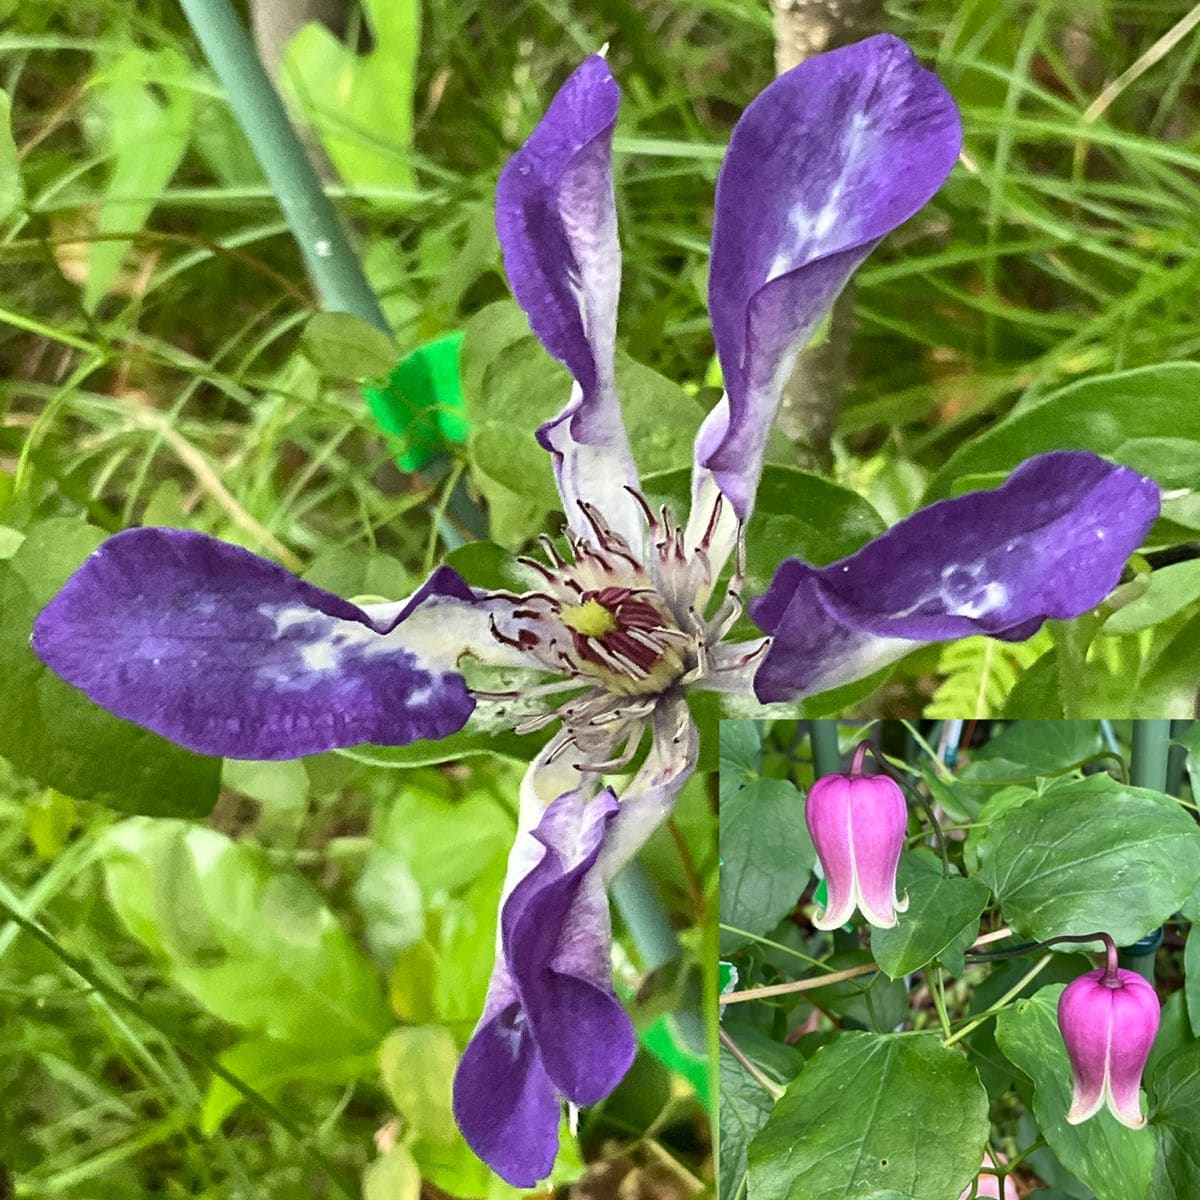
(664, 1041)
(422, 402)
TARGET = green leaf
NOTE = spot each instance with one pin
(1115, 1162)
(796, 514)
(661, 418)
(511, 386)
(1191, 977)
(1091, 855)
(1107, 414)
(1169, 681)
(254, 946)
(52, 732)
(1000, 801)
(12, 191)
(359, 571)
(275, 784)
(939, 911)
(980, 673)
(1042, 747)
(361, 104)
(744, 1109)
(766, 854)
(1174, 1084)
(417, 1064)
(1173, 461)
(342, 346)
(964, 796)
(269, 1066)
(394, 1176)
(446, 841)
(1038, 692)
(1174, 1031)
(391, 904)
(144, 130)
(870, 1115)
(741, 755)
(50, 820)
(471, 741)
(1171, 589)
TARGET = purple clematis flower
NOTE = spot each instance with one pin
(857, 824)
(1108, 1019)
(229, 654)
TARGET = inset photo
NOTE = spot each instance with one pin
(957, 960)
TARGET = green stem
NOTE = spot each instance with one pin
(1104, 756)
(768, 1085)
(259, 111)
(1151, 749)
(1017, 1159)
(923, 803)
(646, 919)
(763, 941)
(1011, 994)
(827, 759)
(1177, 757)
(937, 991)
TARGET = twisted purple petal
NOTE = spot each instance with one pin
(552, 1025)
(504, 1102)
(827, 160)
(557, 224)
(229, 654)
(1050, 543)
(557, 940)
(1108, 1033)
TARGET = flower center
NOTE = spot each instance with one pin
(590, 619)
(626, 638)
(626, 626)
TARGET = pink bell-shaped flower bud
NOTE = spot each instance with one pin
(1108, 1019)
(857, 823)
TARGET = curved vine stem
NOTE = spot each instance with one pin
(768, 1085)
(914, 793)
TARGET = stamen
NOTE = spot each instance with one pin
(532, 693)
(540, 721)
(713, 518)
(541, 568)
(726, 616)
(746, 659)
(739, 570)
(644, 505)
(551, 550)
(525, 640)
(622, 759)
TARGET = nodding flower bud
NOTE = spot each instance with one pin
(1108, 1019)
(857, 823)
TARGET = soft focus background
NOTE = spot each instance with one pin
(152, 306)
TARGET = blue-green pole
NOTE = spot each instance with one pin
(314, 223)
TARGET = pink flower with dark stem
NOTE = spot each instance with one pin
(1108, 1019)
(857, 824)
